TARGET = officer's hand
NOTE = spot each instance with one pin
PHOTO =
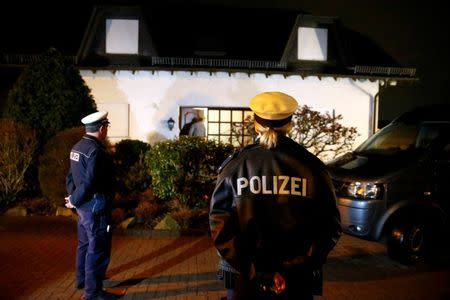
(279, 284)
(68, 204)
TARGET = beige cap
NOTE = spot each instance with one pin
(99, 117)
(273, 106)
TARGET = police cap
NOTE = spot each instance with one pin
(273, 109)
(95, 119)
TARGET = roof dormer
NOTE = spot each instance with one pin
(116, 35)
(313, 44)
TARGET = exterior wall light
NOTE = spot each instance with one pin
(170, 124)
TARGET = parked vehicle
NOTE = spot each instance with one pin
(395, 187)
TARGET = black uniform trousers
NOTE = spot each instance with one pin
(93, 251)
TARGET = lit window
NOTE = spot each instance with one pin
(122, 36)
(227, 125)
(312, 44)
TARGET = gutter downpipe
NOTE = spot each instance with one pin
(376, 107)
(373, 122)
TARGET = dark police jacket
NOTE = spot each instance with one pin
(90, 180)
(272, 207)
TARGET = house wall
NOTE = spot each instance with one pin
(141, 102)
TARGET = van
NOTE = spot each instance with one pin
(395, 187)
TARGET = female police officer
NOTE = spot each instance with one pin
(273, 212)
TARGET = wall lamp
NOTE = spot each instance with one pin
(170, 124)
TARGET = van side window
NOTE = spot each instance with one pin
(426, 136)
(433, 135)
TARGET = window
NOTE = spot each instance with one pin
(122, 36)
(312, 44)
(226, 125)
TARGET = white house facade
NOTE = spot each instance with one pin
(140, 103)
(146, 79)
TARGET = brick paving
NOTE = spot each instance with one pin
(37, 262)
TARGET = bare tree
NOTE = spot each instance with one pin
(321, 133)
(18, 144)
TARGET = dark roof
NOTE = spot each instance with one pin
(228, 38)
(213, 38)
(214, 31)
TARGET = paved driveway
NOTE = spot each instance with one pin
(37, 262)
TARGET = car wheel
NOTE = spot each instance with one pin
(406, 242)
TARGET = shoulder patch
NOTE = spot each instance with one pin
(74, 156)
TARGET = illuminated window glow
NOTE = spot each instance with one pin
(312, 44)
(122, 36)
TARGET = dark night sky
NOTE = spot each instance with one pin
(413, 34)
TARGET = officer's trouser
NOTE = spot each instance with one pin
(93, 251)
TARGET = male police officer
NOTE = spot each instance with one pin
(89, 184)
(273, 213)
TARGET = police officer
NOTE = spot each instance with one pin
(273, 213)
(89, 184)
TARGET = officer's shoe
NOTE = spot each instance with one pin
(104, 295)
(79, 285)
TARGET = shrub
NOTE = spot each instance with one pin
(39, 207)
(146, 212)
(118, 215)
(186, 169)
(189, 218)
(18, 144)
(128, 151)
(50, 95)
(148, 208)
(54, 164)
(133, 175)
(181, 213)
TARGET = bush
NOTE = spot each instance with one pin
(133, 175)
(18, 144)
(54, 164)
(189, 218)
(147, 208)
(186, 169)
(181, 213)
(128, 151)
(118, 215)
(39, 207)
(49, 96)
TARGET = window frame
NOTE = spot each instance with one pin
(227, 137)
